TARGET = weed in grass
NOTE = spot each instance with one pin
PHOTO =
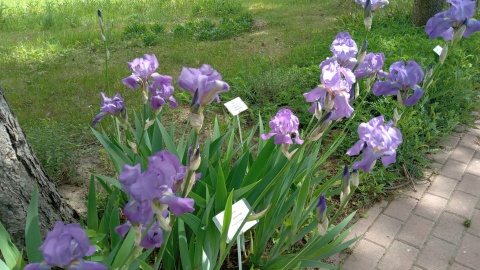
(55, 149)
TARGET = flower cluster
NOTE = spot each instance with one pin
(144, 75)
(337, 79)
(377, 140)
(457, 20)
(400, 81)
(153, 192)
(65, 246)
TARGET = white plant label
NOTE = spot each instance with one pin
(438, 50)
(236, 106)
(239, 213)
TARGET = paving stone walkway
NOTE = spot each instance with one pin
(425, 230)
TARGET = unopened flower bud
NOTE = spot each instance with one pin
(322, 215)
(318, 110)
(195, 160)
(443, 55)
(428, 76)
(148, 123)
(368, 15)
(357, 90)
(355, 178)
(362, 53)
(345, 184)
(400, 99)
(100, 18)
(459, 33)
(396, 117)
(133, 146)
(196, 120)
(328, 103)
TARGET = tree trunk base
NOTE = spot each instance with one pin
(20, 171)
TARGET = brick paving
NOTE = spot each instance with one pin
(424, 230)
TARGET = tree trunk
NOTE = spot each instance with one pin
(425, 9)
(20, 171)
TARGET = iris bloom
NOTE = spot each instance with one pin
(444, 24)
(377, 140)
(344, 51)
(399, 82)
(144, 75)
(160, 91)
(143, 71)
(113, 106)
(153, 191)
(284, 126)
(372, 64)
(204, 83)
(65, 246)
(333, 94)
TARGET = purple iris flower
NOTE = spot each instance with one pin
(376, 4)
(372, 64)
(336, 84)
(377, 140)
(444, 24)
(284, 126)
(156, 184)
(344, 50)
(401, 78)
(143, 70)
(204, 83)
(162, 90)
(65, 246)
(113, 106)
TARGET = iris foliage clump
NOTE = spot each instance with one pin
(368, 106)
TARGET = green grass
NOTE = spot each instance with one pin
(52, 61)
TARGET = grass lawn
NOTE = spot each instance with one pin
(53, 63)
(52, 59)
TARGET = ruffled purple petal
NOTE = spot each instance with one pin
(123, 229)
(282, 139)
(439, 27)
(367, 162)
(356, 148)
(472, 27)
(383, 88)
(131, 81)
(178, 205)
(413, 99)
(342, 106)
(387, 160)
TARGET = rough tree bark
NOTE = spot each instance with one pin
(20, 170)
(425, 9)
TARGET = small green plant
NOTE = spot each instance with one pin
(55, 149)
(467, 223)
(148, 34)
